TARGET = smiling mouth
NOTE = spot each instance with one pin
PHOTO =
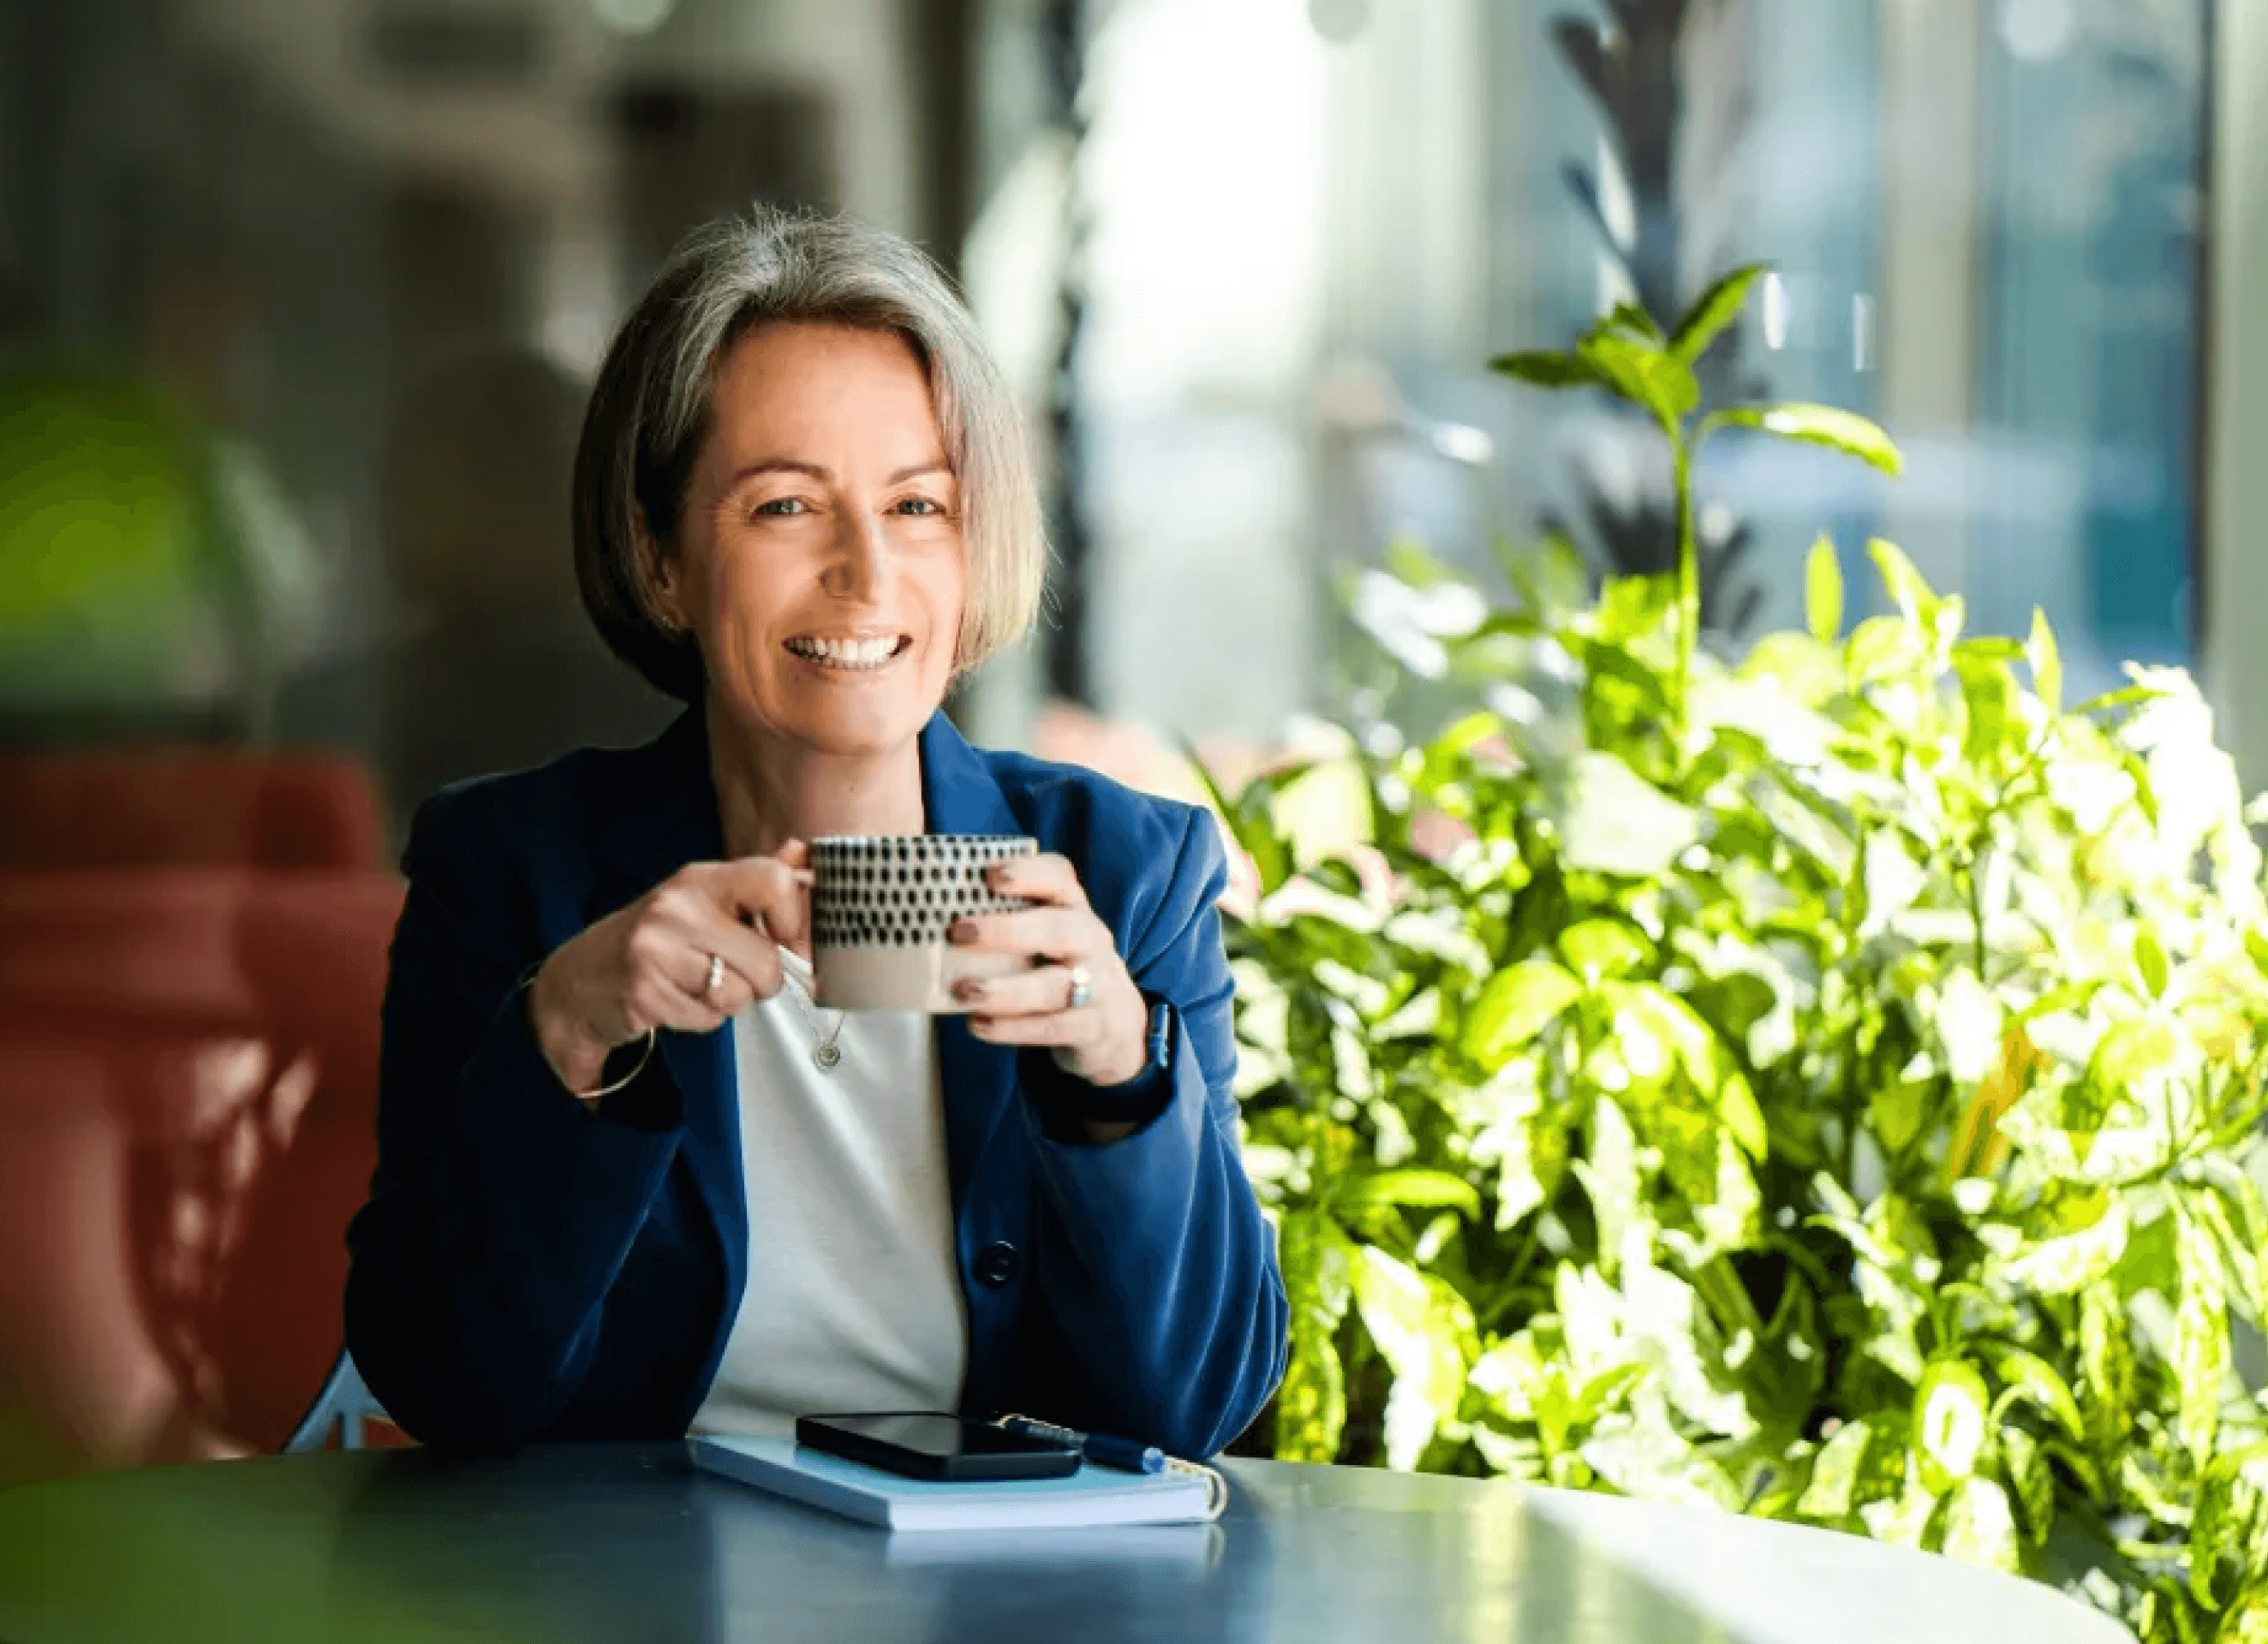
(863, 654)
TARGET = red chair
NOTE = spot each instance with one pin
(183, 807)
(189, 1066)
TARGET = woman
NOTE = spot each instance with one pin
(632, 1180)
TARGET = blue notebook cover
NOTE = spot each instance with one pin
(1091, 1496)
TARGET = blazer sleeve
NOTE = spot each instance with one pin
(502, 1207)
(1157, 1260)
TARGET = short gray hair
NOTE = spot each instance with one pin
(649, 414)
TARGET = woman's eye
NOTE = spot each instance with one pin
(919, 505)
(781, 507)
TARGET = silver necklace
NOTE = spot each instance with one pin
(825, 1053)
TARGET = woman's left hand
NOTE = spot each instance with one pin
(1104, 1041)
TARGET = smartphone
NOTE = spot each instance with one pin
(922, 1445)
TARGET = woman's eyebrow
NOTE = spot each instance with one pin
(824, 474)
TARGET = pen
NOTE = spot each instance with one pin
(1124, 1454)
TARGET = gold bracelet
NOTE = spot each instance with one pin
(588, 1097)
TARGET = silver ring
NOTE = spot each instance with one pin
(1082, 988)
(715, 976)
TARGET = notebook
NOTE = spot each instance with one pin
(1091, 1496)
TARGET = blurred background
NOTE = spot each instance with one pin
(300, 299)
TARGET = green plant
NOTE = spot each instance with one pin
(1825, 1085)
(1627, 355)
(1675, 136)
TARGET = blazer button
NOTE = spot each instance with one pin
(998, 1264)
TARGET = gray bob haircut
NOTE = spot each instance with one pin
(649, 414)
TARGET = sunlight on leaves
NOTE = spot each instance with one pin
(1951, 1422)
(1825, 1082)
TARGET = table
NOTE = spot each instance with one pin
(604, 1542)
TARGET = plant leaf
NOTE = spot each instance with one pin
(1823, 591)
(1643, 375)
(2226, 1550)
(1990, 696)
(2033, 1378)
(1916, 601)
(1554, 370)
(1411, 1190)
(1609, 1176)
(2200, 1344)
(2047, 661)
(1831, 1495)
(1634, 321)
(1613, 820)
(1952, 1420)
(2072, 1262)
(2124, 696)
(1514, 1006)
(1979, 1528)
(1844, 431)
(1713, 310)
(1250, 823)
(1425, 1331)
(1598, 949)
(2031, 1484)
(2150, 961)
(1311, 1404)
(2106, 1351)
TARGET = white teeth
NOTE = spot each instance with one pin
(847, 653)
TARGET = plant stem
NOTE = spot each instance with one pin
(1688, 579)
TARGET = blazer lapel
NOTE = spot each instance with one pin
(960, 797)
(663, 816)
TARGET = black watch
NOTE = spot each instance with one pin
(1144, 1095)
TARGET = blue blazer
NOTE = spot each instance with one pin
(526, 1268)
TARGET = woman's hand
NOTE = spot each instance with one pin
(1104, 1041)
(648, 965)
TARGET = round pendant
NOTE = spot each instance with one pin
(826, 1056)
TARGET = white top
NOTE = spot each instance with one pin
(854, 1299)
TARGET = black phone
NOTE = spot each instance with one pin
(923, 1444)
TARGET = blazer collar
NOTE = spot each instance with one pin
(959, 793)
(664, 815)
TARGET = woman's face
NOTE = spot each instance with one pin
(819, 559)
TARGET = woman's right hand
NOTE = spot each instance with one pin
(647, 965)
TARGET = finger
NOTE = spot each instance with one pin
(1049, 879)
(676, 991)
(688, 925)
(704, 977)
(1069, 1030)
(752, 956)
(1046, 933)
(655, 1001)
(769, 892)
(733, 995)
(1041, 992)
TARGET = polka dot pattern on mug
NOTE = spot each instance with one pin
(906, 889)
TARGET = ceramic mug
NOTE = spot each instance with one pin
(881, 906)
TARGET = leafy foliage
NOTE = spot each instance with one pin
(1825, 1086)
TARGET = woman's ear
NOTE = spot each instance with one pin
(660, 568)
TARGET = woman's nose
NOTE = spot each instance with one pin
(856, 570)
